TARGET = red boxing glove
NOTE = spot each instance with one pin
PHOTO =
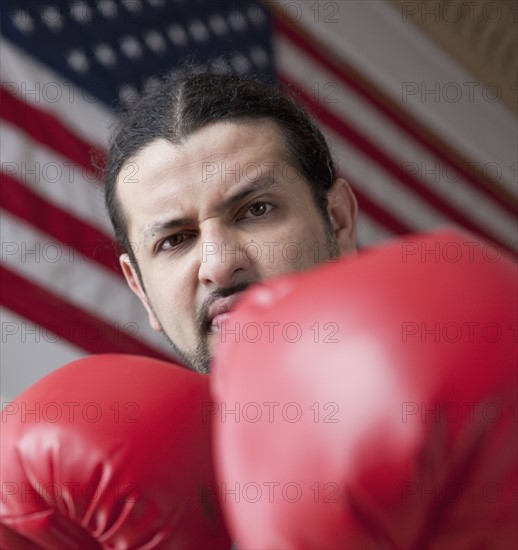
(111, 451)
(371, 403)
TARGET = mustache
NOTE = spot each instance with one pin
(202, 317)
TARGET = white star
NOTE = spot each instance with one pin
(23, 21)
(78, 61)
(131, 47)
(133, 6)
(240, 63)
(198, 31)
(105, 54)
(150, 83)
(237, 21)
(128, 94)
(107, 8)
(256, 15)
(220, 65)
(155, 41)
(218, 24)
(81, 12)
(259, 56)
(177, 35)
(52, 18)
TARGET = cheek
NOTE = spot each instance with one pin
(172, 299)
(293, 248)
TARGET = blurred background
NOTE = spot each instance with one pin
(417, 98)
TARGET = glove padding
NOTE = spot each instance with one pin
(371, 403)
(111, 451)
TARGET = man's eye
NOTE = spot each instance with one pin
(258, 209)
(172, 242)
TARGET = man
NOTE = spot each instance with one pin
(214, 183)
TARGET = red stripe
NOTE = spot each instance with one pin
(92, 244)
(46, 129)
(405, 122)
(403, 178)
(67, 321)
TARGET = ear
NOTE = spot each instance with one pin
(133, 280)
(343, 211)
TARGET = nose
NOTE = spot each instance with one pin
(223, 258)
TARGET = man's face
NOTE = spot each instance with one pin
(215, 215)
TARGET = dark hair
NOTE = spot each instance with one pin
(181, 105)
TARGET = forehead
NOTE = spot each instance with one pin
(205, 166)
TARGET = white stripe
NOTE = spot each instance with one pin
(29, 352)
(381, 187)
(370, 232)
(401, 53)
(53, 177)
(375, 182)
(407, 153)
(36, 84)
(85, 284)
(457, 192)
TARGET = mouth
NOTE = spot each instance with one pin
(220, 311)
(218, 321)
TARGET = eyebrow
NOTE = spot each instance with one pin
(260, 184)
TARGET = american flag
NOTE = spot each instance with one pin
(66, 66)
